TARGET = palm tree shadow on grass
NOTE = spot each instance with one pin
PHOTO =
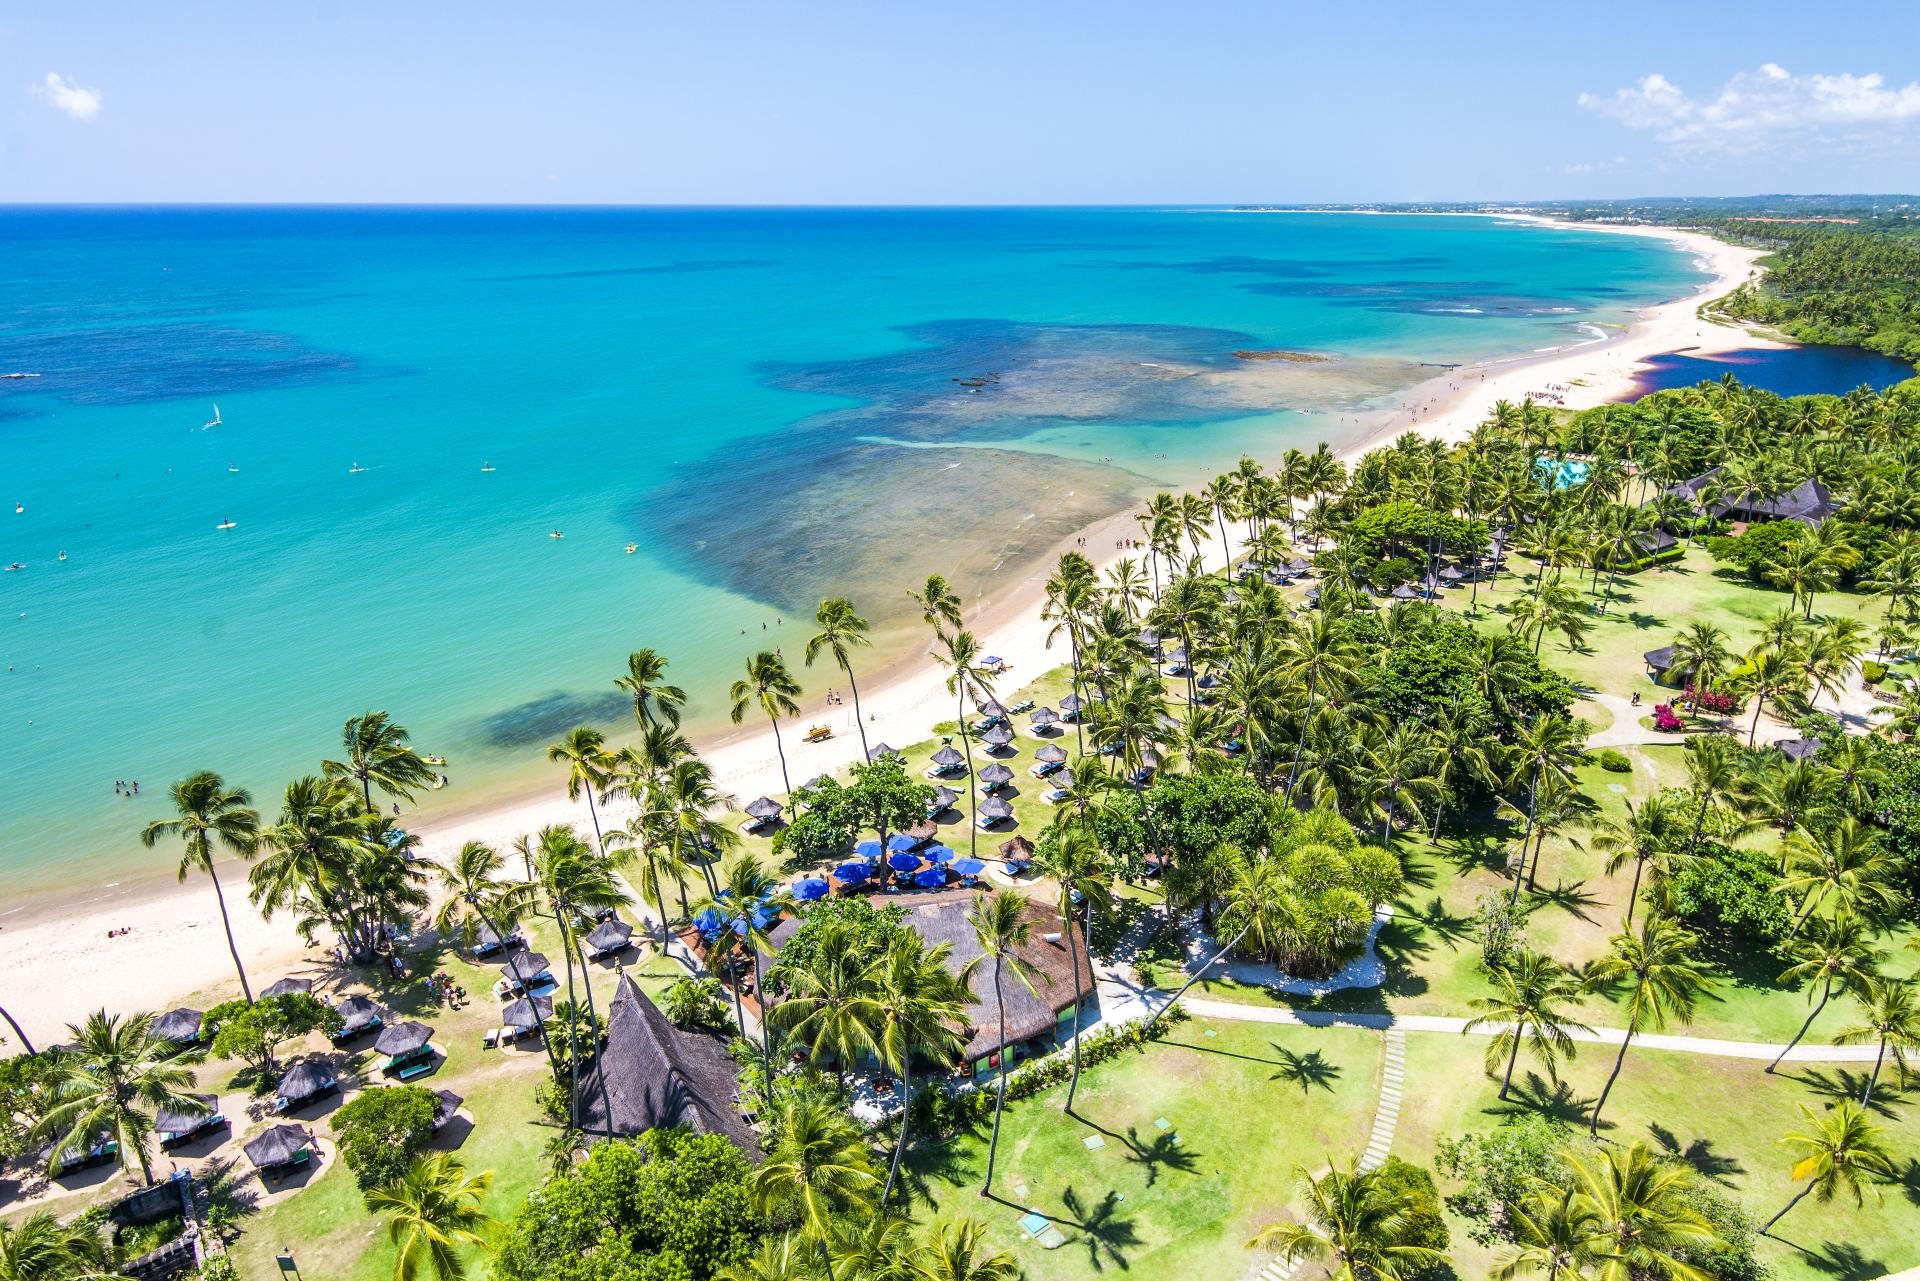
(1573, 899)
(1306, 1070)
(1103, 1230)
(1837, 1084)
(1699, 1154)
(1164, 1151)
(1481, 849)
(1843, 1260)
(1554, 1100)
(1437, 919)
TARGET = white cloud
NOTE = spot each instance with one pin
(1594, 166)
(64, 95)
(1759, 108)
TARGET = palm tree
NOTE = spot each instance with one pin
(1835, 951)
(816, 1170)
(1767, 674)
(1640, 1212)
(1353, 1217)
(207, 813)
(939, 603)
(1323, 648)
(589, 769)
(965, 677)
(1713, 773)
(748, 897)
(41, 1248)
(1083, 876)
(842, 631)
(432, 1210)
(1649, 833)
(1255, 907)
(1840, 1152)
(779, 1258)
(1555, 1233)
(655, 702)
(112, 1083)
(769, 685)
(1892, 1018)
(957, 1251)
(1548, 745)
(477, 895)
(1462, 748)
(313, 851)
(1845, 861)
(574, 883)
(379, 755)
(1702, 654)
(1662, 971)
(1529, 992)
(918, 1002)
(829, 1004)
(1000, 924)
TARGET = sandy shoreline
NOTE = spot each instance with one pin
(64, 965)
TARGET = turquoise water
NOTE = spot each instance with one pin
(762, 400)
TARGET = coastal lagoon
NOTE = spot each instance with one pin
(768, 405)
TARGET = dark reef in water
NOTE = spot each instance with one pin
(914, 479)
(541, 720)
(148, 363)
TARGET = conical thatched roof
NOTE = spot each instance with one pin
(658, 1076)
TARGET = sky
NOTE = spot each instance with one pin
(985, 102)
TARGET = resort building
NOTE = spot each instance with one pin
(1809, 502)
(658, 1075)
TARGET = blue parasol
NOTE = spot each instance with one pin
(901, 861)
(810, 888)
(708, 922)
(901, 841)
(867, 849)
(969, 866)
(931, 879)
(939, 854)
(851, 873)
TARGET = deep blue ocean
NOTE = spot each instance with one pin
(773, 405)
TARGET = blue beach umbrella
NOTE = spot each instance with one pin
(939, 854)
(850, 873)
(900, 841)
(867, 849)
(969, 867)
(809, 888)
(901, 861)
(708, 922)
(931, 879)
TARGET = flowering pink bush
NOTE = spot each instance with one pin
(1712, 702)
(1665, 721)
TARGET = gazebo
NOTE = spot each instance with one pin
(281, 1148)
(288, 987)
(994, 811)
(996, 775)
(181, 1026)
(527, 1013)
(304, 1082)
(174, 1126)
(408, 1049)
(609, 938)
(526, 969)
(358, 1016)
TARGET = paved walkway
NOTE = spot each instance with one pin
(1626, 729)
(1802, 1053)
(1393, 1077)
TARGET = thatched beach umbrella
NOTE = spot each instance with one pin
(181, 1026)
(448, 1103)
(994, 810)
(609, 936)
(1043, 717)
(948, 758)
(1051, 753)
(526, 967)
(943, 799)
(403, 1038)
(996, 775)
(289, 987)
(883, 751)
(528, 1013)
(282, 1145)
(998, 736)
(991, 708)
(357, 1014)
(763, 809)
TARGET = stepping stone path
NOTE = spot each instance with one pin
(1379, 1143)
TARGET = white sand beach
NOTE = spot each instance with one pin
(63, 965)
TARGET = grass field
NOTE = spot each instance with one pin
(1245, 1104)
(1724, 1117)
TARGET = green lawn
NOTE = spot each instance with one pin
(1724, 1117)
(1245, 1106)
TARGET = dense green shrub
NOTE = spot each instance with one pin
(668, 1206)
(697, 1004)
(882, 796)
(1730, 894)
(1759, 547)
(1873, 672)
(1405, 529)
(875, 924)
(381, 1130)
(1410, 1188)
(1441, 666)
(1496, 1168)
(1614, 761)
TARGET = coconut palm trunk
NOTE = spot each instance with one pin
(973, 791)
(593, 1025)
(27, 1045)
(859, 721)
(1593, 1121)
(1826, 994)
(1073, 646)
(1074, 953)
(781, 748)
(1299, 752)
(227, 925)
(1006, 1069)
(573, 1022)
(1866, 1096)
(906, 1115)
(1196, 977)
(1798, 1198)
